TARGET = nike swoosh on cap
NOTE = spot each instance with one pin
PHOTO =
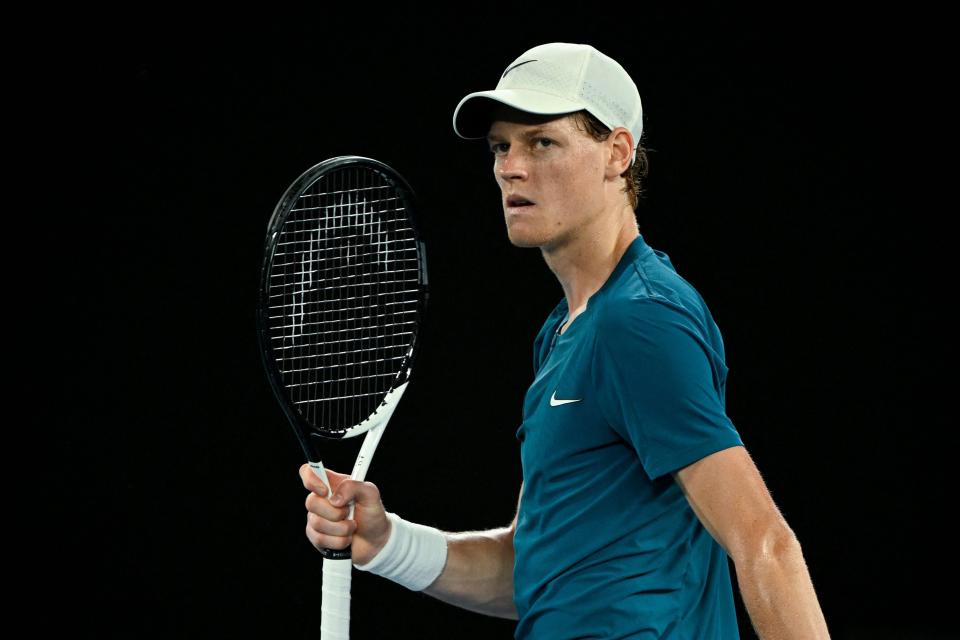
(556, 403)
(514, 67)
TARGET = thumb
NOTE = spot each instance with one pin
(336, 478)
(365, 495)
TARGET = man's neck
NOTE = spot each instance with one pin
(583, 265)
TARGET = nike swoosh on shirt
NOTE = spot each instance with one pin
(556, 403)
(514, 67)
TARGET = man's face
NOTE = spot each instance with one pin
(547, 161)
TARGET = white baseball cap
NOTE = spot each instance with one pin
(558, 78)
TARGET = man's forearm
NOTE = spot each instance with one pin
(478, 575)
(779, 596)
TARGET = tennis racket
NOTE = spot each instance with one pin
(343, 291)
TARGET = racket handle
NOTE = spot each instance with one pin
(335, 604)
(330, 554)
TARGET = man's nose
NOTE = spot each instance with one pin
(512, 166)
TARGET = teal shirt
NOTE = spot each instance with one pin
(606, 544)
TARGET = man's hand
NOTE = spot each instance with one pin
(327, 524)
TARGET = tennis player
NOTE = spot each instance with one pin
(637, 487)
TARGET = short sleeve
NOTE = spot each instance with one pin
(660, 384)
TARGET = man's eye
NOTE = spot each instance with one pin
(547, 141)
(496, 147)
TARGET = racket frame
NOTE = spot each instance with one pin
(303, 429)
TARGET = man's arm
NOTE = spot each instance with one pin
(478, 574)
(730, 498)
(479, 571)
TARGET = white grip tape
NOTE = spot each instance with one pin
(321, 473)
(335, 606)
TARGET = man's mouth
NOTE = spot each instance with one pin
(517, 202)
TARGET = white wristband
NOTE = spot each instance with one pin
(414, 555)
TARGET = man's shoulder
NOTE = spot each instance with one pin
(635, 313)
(626, 309)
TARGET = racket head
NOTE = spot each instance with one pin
(343, 292)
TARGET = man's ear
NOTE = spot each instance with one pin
(621, 147)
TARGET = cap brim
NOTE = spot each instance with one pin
(472, 117)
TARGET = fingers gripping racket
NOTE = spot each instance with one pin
(343, 290)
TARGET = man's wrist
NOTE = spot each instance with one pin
(413, 556)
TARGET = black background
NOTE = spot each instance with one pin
(775, 183)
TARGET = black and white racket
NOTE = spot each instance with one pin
(343, 291)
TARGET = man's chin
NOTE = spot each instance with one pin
(521, 235)
(524, 241)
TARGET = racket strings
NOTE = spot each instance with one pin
(344, 296)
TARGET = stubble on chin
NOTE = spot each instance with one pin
(523, 240)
